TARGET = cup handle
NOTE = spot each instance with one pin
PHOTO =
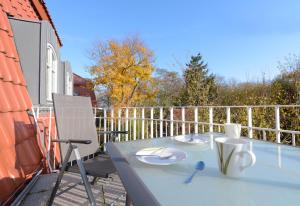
(252, 159)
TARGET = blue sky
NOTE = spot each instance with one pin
(238, 39)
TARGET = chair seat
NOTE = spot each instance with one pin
(100, 166)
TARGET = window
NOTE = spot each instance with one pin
(69, 84)
(51, 73)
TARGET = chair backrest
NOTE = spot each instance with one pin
(75, 120)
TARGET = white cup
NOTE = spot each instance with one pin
(233, 130)
(233, 156)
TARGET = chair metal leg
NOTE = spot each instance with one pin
(103, 195)
(94, 180)
(61, 174)
(102, 188)
(84, 177)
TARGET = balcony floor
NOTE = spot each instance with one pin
(72, 191)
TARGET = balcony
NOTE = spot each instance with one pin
(158, 122)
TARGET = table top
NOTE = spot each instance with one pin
(273, 180)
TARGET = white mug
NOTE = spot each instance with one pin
(233, 156)
(233, 130)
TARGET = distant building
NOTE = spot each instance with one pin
(81, 88)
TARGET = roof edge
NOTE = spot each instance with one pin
(43, 13)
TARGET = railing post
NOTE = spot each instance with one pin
(171, 121)
(143, 123)
(183, 120)
(250, 130)
(147, 132)
(264, 135)
(95, 116)
(156, 129)
(126, 124)
(49, 138)
(166, 130)
(99, 126)
(293, 139)
(161, 126)
(119, 123)
(49, 130)
(277, 123)
(112, 119)
(134, 124)
(104, 123)
(211, 120)
(151, 122)
(228, 118)
(196, 120)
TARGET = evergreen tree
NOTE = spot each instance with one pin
(200, 86)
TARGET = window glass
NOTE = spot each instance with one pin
(51, 73)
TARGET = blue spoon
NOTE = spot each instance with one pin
(199, 167)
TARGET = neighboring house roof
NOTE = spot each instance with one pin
(80, 88)
(18, 142)
(78, 80)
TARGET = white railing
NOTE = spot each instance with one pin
(155, 122)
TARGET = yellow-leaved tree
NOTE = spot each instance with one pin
(122, 71)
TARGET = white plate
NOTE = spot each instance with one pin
(160, 155)
(192, 139)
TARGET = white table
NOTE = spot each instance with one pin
(273, 180)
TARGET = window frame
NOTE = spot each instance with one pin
(51, 72)
(69, 84)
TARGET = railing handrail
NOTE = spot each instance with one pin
(179, 107)
(208, 106)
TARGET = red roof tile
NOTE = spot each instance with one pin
(3, 65)
(11, 71)
(9, 93)
(9, 29)
(19, 74)
(3, 43)
(7, 128)
(7, 169)
(4, 4)
(3, 24)
(18, 142)
(5, 100)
